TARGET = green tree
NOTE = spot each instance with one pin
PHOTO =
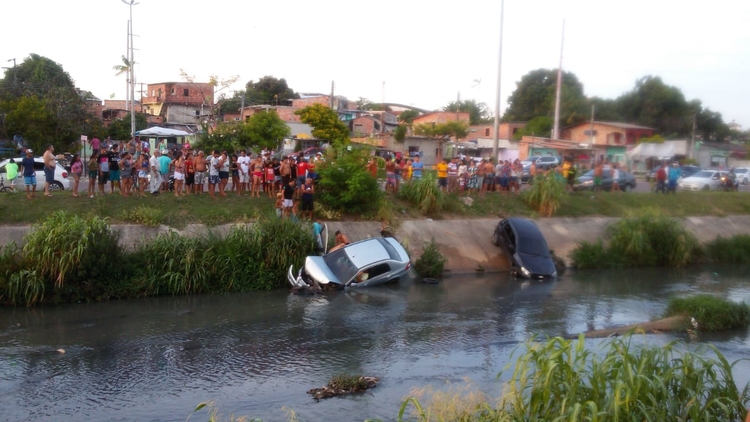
(264, 130)
(41, 103)
(325, 123)
(363, 104)
(655, 104)
(124, 69)
(120, 128)
(538, 126)
(399, 135)
(269, 90)
(345, 184)
(230, 105)
(408, 116)
(478, 112)
(535, 97)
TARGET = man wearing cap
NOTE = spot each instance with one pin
(29, 174)
(49, 168)
(164, 162)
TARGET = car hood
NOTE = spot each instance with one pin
(692, 179)
(537, 265)
(319, 271)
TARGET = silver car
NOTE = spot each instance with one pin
(365, 263)
(703, 180)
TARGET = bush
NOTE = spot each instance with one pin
(424, 193)
(734, 250)
(711, 313)
(432, 261)
(345, 184)
(559, 380)
(546, 193)
(147, 216)
(593, 255)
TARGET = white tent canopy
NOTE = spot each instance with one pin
(162, 132)
(667, 149)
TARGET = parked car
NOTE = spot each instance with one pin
(703, 180)
(308, 153)
(586, 181)
(686, 170)
(526, 247)
(742, 175)
(366, 263)
(543, 162)
(61, 181)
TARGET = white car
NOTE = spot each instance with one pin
(61, 176)
(703, 180)
(742, 175)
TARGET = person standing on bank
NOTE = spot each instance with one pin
(76, 169)
(29, 174)
(49, 169)
(11, 171)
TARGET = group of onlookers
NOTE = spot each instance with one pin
(28, 170)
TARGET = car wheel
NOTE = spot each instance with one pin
(626, 188)
(495, 239)
(56, 186)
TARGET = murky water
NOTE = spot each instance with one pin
(253, 354)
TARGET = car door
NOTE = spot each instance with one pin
(376, 274)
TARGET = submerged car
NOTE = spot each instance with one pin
(527, 248)
(586, 181)
(365, 263)
(703, 180)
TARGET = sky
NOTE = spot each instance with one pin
(414, 52)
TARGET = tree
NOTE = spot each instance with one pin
(230, 105)
(399, 135)
(42, 104)
(655, 104)
(408, 116)
(345, 184)
(363, 104)
(269, 90)
(265, 130)
(325, 123)
(120, 128)
(538, 126)
(208, 97)
(535, 97)
(124, 68)
(478, 112)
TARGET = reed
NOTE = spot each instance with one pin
(425, 194)
(546, 193)
(711, 313)
(733, 250)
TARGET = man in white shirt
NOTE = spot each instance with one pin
(244, 163)
(153, 164)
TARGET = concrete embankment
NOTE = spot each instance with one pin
(465, 243)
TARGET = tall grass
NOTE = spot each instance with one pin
(643, 241)
(560, 380)
(711, 313)
(735, 250)
(546, 193)
(424, 193)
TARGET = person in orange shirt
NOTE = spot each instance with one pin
(372, 167)
(442, 174)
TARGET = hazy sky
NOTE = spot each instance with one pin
(414, 52)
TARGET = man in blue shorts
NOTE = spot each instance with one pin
(416, 168)
(29, 174)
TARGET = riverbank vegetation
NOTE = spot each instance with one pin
(68, 257)
(561, 380)
(432, 262)
(710, 313)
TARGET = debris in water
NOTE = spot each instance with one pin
(344, 384)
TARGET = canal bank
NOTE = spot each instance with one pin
(465, 242)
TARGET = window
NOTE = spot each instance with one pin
(486, 131)
(185, 92)
(173, 91)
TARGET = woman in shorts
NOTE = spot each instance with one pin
(179, 174)
(93, 167)
(234, 170)
(143, 172)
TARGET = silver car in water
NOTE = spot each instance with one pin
(365, 263)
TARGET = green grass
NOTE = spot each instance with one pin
(711, 313)
(177, 212)
(735, 250)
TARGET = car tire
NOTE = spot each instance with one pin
(495, 239)
(626, 188)
(56, 186)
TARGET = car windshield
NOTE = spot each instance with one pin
(703, 174)
(532, 246)
(740, 171)
(341, 266)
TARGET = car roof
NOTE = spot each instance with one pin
(368, 251)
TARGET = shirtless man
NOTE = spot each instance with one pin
(200, 172)
(341, 241)
(49, 168)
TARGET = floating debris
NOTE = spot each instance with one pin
(344, 384)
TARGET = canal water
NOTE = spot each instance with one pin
(258, 353)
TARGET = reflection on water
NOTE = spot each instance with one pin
(155, 359)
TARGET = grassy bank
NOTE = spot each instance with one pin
(177, 212)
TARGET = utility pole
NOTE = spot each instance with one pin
(332, 94)
(131, 63)
(496, 127)
(556, 127)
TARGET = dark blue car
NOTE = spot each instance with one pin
(527, 249)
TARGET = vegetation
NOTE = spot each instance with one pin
(648, 240)
(345, 184)
(711, 313)
(432, 262)
(735, 250)
(68, 257)
(120, 128)
(546, 193)
(325, 122)
(424, 194)
(478, 112)
(560, 380)
(261, 130)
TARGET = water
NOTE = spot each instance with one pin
(253, 354)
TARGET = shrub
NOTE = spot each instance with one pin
(710, 312)
(559, 380)
(424, 193)
(653, 240)
(593, 255)
(732, 250)
(546, 193)
(432, 261)
(345, 184)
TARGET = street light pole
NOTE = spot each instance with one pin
(496, 127)
(131, 64)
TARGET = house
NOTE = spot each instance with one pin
(438, 117)
(179, 102)
(483, 138)
(719, 154)
(339, 103)
(609, 140)
(285, 113)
